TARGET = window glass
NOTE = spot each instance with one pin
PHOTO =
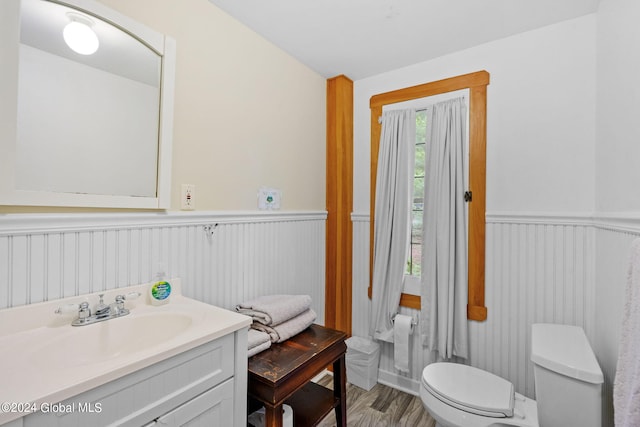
(415, 250)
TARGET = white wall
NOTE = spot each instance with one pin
(617, 170)
(540, 116)
(562, 165)
(618, 147)
(540, 190)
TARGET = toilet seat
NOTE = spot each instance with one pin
(470, 389)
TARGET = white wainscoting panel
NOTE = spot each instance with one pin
(241, 256)
(538, 269)
(360, 302)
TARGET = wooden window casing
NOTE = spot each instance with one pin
(477, 84)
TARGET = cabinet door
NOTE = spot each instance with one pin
(212, 408)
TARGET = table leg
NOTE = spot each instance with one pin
(340, 390)
(273, 416)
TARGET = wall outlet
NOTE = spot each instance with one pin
(188, 197)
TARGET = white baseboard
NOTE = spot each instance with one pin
(405, 384)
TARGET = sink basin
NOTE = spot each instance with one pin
(112, 338)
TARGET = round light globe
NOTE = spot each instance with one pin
(81, 38)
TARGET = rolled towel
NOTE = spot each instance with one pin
(257, 349)
(291, 327)
(272, 310)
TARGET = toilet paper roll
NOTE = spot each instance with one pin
(402, 330)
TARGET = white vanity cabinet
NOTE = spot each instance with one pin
(204, 386)
(211, 408)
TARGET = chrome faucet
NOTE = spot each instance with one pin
(102, 311)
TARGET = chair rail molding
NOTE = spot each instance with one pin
(20, 224)
(623, 222)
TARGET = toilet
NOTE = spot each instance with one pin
(568, 383)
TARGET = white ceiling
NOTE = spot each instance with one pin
(361, 38)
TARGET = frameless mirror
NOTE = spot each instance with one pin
(88, 125)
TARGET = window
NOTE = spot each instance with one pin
(477, 84)
(415, 241)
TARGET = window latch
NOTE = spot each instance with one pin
(467, 196)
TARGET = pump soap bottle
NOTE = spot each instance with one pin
(160, 290)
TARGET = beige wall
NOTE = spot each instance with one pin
(246, 113)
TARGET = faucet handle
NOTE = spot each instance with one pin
(129, 296)
(121, 298)
(120, 301)
(85, 311)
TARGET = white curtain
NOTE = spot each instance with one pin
(392, 213)
(444, 253)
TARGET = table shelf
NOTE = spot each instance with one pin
(311, 404)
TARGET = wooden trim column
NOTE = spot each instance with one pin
(339, 203)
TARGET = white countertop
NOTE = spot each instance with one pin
(43, 359)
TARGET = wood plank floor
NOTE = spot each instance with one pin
(381, 406)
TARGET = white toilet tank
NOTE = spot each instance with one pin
(568, 379)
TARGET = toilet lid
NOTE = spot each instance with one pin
(470, 389)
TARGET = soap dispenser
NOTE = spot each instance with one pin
(160, 289)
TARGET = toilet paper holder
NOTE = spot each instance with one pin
(414, 320)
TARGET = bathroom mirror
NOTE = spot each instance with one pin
(83, 125)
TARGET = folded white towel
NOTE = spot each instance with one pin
(257, 349)
(291, 327)
(626, 387)
(255, 338)
(272, 310)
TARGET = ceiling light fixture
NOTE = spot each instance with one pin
(79, 36)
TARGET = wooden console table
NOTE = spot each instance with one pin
(283, 373)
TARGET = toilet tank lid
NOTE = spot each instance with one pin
(564, 349)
